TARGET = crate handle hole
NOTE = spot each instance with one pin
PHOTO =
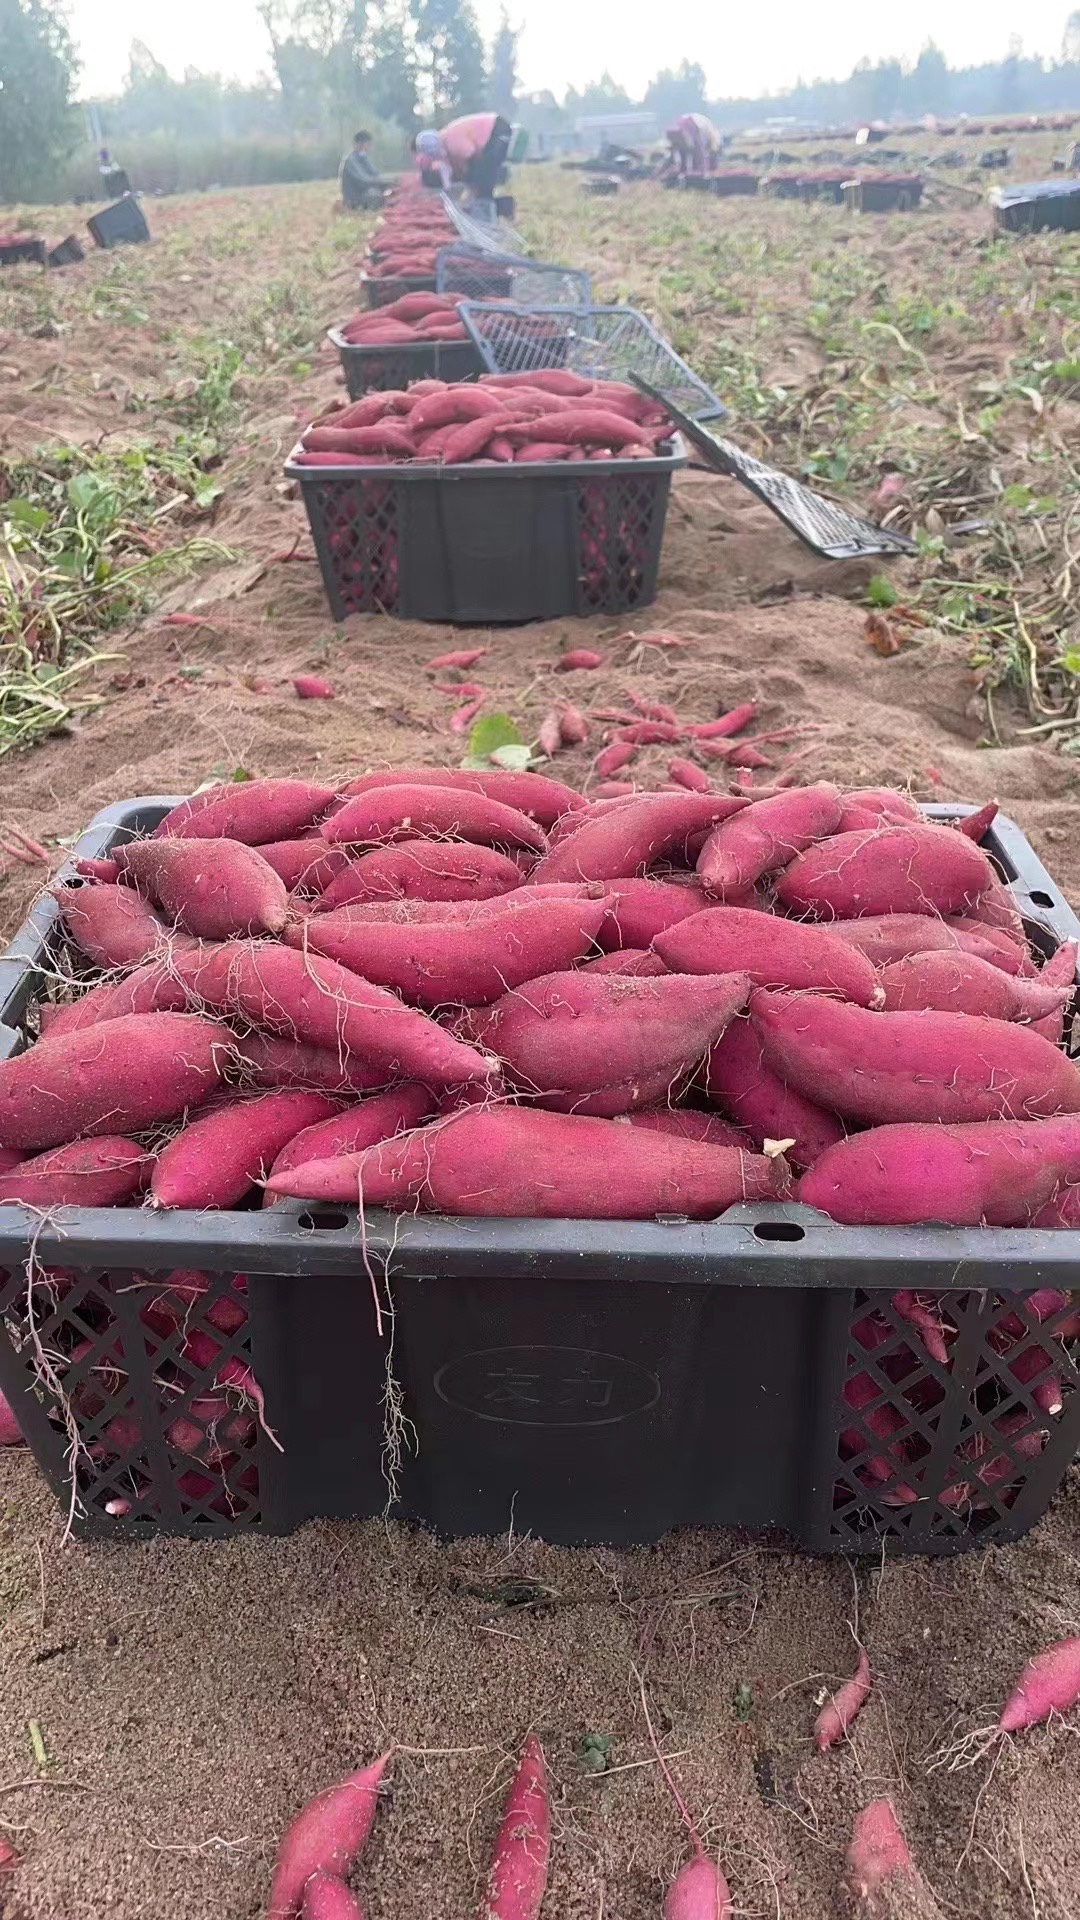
(1041, 899)
(325, 1219)
(779, 1230)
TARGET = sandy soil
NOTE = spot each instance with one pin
(191, 1696)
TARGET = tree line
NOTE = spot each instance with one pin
(395, 65)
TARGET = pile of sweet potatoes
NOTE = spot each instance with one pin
(406, 238)
(501, 418)
(416, 319)
(652, 1003)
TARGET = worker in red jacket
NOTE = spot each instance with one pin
(472, 150)
(695, 144)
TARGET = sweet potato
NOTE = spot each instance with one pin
(843, 1706)
(270, 1061)
(638, 910)
(407, 911)
(305, 997)
(216, 889)
(961, 983)
(404, 813)
(248, 810)
(994, 1173)
(218, 1157)
(423, 870)
(885, 937)
(774, 952)
(11, 1435)
(764, 836)
(878, 1852)
(739, 1079)
(605, 1043)
(1002, 948)
(625, 960)
(699, 1891)
(1050, 1683)
(468, 963)
(511, 1162)
(519, 1865)
(1059, 971)
(688, 1123)
(379, 1118)
(305, 866)
(620, 838)
(106, 1172)
(576, 659)
(110, 925)
(55, 1021)
(908, 869)
(325, 1837)
(534, 794)
(326, 1897)
(880, 1067)
(124, 1075)
(873, 806)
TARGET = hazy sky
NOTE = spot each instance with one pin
(568, 42)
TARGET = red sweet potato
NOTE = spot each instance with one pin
(764, 836)
(106, 1172)
(739, 1079)
(576, 659)
(774, 952)
(55, 1021)
(1050, 1683)
(605, 1043)
(638, 910)
(326, 1897)
(908, 869)
(305, 997)
(535, 794)
(519, 1866)
(123, 1075)
(873, 806)
(961, 983)
(995, 907)
(843, 1706)
(215, 888)
(698, 1892)
(878, 1852)
(688, 1123)
(510, 1162)
(110, 925)
(423, 870)
(625, 960)
(469, 963)
(270, 1061)
(995, 1173)
(351, 1131)
(1002, 948)
(325, 1837)
(218, 1157)
(405, 813)
(248, 810)
(1059, 971)
(880, 1067)
(891, 936)
(305, 866)
(620, 838)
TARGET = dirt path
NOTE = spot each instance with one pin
(190, 1696)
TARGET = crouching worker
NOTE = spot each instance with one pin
(471, 151)
(362, 185)
(695, 144)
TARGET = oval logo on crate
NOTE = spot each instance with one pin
(547, 1386)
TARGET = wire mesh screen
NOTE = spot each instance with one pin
(495, 236)
(823, 525)
(498, 276)
(601, 343)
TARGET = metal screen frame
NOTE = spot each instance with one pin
(601, 343)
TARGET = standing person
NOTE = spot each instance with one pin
(361, 183)
(472, 149)
(695, 144)
(114, 180)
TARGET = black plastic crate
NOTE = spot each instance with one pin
(15, 253)
(726, 183)
(66, 253)
(483, 545)
(387, 369)
(590, 1382)
(883, 196)
(1038, 205)
(383, 293)
(122, 224)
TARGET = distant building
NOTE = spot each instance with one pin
(636, 127)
